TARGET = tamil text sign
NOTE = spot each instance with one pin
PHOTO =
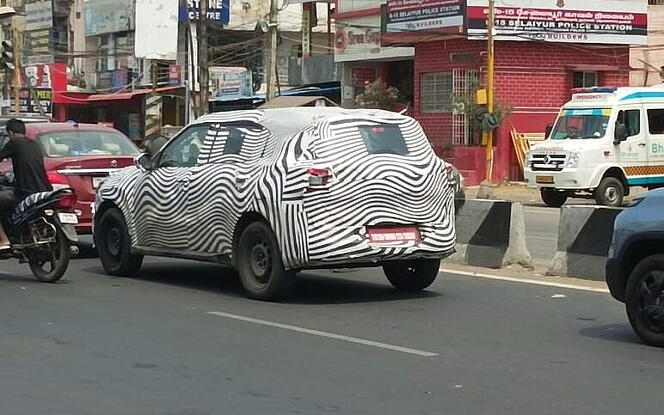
(573, 21)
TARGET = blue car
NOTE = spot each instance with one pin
(635, 268)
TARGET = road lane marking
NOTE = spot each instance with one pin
(328, 335)
(528, 281)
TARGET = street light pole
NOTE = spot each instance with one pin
(490, 88)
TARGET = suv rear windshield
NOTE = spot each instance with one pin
(383, 139)
(86, 143)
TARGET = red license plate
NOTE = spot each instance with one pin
(391, 235)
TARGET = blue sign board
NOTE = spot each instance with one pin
(219, 11)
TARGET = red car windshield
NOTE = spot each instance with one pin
(86, 143)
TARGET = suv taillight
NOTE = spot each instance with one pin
(318, 178)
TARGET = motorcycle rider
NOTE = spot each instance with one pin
(29, 171)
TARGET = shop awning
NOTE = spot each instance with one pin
(124, 96)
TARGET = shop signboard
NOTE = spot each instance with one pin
(27, 104)
(228, 82)
(108, 16)
(218, 11)
(416, 15)
(37, 31)
(38, 15)
(571, 21)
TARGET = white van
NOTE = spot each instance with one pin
(604, 141)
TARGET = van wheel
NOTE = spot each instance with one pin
(610, 192)
(259, 264)
(553, 197)
(412, 275)
(644, 300)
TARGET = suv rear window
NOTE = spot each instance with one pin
(383, 139)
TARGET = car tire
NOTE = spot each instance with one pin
(610, 192)
(114, 245)
(552, 197)
(259, 264)
(644, 300)
(412, 275)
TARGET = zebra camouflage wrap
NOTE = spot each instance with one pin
(197, 208)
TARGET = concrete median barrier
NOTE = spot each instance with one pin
(584, 238)
(491, 234)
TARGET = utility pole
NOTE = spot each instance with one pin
(203, 70)
(488, 138)
(271, 66)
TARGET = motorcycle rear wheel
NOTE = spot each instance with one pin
(53, 268)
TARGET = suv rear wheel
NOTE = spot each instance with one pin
(412, 275)
(114, 245)
(259, 264)
(644, 300)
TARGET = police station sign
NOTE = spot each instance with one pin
(573, 21)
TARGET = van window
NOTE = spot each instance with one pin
(581, 124)
(656, 121)
(632, 120)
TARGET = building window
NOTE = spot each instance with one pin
(584, 79)
(656, 2)
(436, 92)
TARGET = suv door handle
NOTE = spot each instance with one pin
(642, 144)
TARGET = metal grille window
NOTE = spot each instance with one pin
(656, 2)
(436, 92)
(585, 79)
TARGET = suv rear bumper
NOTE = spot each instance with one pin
(615, 280)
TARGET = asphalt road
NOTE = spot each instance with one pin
(182, 339)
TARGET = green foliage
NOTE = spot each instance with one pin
(378, 95)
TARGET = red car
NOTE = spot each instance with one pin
(80, 156)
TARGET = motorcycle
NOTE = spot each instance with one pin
(41, 232)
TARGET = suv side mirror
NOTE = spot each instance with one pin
(144, 162)
(547, 131)
(620, 134)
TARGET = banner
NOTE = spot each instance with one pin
(157, 33)
(108, 16)
(230, 82)
(414, 15)
(572, 21)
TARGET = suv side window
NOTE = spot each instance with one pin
(184, 149)
(632, 120)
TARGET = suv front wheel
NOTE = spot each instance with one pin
(259, 264)
(114, 245)
(644, 300)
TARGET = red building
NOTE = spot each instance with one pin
(532, 79)
(543, 51)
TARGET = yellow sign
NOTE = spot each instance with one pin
(481, 97)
